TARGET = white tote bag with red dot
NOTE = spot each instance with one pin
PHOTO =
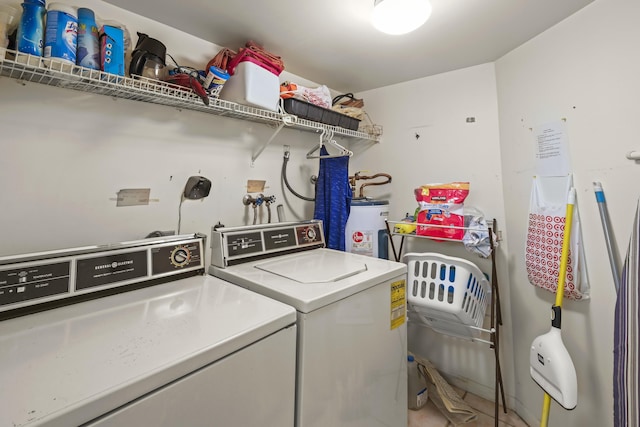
(547, 215)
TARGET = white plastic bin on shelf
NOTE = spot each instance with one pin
(446, 293)
(252, 85)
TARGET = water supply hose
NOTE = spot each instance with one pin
(287, 154)
(267, 201)
(257, 202)
(248, 200)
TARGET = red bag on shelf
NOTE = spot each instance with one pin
(441, 205)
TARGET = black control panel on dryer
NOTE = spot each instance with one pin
(34, 280)
(69, 275)
(167, 259)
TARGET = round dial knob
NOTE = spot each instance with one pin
(311, 234)
(180, 256)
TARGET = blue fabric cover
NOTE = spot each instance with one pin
(333, 198)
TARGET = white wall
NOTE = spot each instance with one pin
(585, 70)
(66, 154)
(448, 149)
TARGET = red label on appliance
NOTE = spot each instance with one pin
(357, 236)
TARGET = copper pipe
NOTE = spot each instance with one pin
(353, 179)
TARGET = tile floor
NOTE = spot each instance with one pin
(430, 416)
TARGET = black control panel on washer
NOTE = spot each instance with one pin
(273, 239)
(276, 239)
(309, 234)
(245, 243)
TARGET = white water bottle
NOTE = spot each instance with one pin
(417, 385)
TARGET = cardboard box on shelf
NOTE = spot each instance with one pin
(112, 50)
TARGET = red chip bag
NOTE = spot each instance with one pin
(441, 205)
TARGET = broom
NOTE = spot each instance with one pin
(550, 363)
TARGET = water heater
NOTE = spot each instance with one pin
(366, 232)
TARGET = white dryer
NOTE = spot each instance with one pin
(181, 350)
(351, 310)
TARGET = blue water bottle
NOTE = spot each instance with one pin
(88, 46)
(29, 38)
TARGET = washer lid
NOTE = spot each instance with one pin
(314, 267)
(313, 279)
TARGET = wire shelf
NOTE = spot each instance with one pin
(394, 231)
(40, 70)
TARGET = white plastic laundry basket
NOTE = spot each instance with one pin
(446, 293)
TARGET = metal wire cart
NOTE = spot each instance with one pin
(450, 295)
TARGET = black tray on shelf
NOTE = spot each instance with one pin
(309, 111)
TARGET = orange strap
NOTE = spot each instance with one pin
(222, 58)
(274, 59)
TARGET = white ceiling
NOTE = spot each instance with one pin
(332, 41)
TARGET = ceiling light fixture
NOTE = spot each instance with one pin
(400, 16)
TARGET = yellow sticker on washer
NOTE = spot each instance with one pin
(398, 303)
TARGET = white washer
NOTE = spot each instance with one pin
(192, 351)
(352, 339)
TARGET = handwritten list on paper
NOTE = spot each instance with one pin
(552, 151)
